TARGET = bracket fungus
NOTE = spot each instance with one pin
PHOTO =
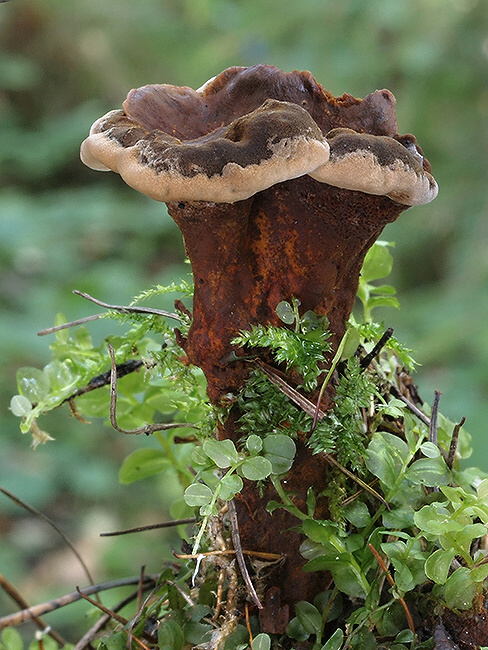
(279, 189)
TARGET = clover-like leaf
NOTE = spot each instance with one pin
(222, 452)
(20, 406)
(256, 468)
(230, 485)
(280, 450)
(198, 494)
(386, 456)
(285, 312)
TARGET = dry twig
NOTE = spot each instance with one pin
(138, 529)
(127, 309)
(451, 457)
(50, 606)
(236, 540)
(18, 599)
(148, 429)
(50, 522)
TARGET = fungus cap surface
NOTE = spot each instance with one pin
(276, 142)
(249, 128)
(376, 164)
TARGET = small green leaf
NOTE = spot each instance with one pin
(222, 452)
(482, 490)
(403, 576)
(436, 520)
(198, 494)
(326, 533)
(377, 263)
(351, 343)
(438, 564)
(143, 463)
(431, 471)
(430, 450)
(256, 468)
(295, 630)
(479, 573)
(460, 589)
(198, 456)
(384, 289)
(33, 384)
(254, 444)
(197, 633)
(335, 641)
(309, 617)
(261, 642)
(280, 450)
(383, 301)
(285, 312)
(230, 485)
(357, 513)
(346, 577)
(20, 406)
(11, 639)
(171, 634)
(386, 457)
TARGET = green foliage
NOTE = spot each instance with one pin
(343, 430)
(423, 534)
(10, 639)
(377, 265)
(301, 350)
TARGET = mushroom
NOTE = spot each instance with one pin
(274, 143)
(279, 189)
(376, 164)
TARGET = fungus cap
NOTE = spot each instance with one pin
(249, 128)
(377, 164)
(276, 142)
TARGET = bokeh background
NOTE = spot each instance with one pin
(63, 63)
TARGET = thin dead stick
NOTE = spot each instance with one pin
(230, 551)
(105, 610)
(451, 457)
(72, 323)
(126, 309)
(296, 397)
(248, 625)
(411, 406)
(123, 369)
(364, 363)
(433, 418)
(142, 605)
(102, 621)
(19, 600)
(147, 429)
(50, 522)
(44, 608)
(236, 540)
(138, 529)
(355, 478)
(384, 568)
(115, 616)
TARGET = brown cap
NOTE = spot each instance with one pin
(249, 128)
(377, 164)
(274, 143)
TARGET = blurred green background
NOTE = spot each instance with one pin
(63, 64)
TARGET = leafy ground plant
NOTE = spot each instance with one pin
(400, 551)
